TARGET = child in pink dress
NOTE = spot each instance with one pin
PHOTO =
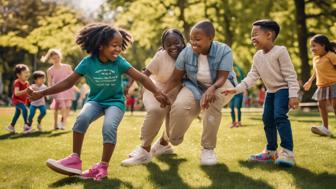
(57, 73)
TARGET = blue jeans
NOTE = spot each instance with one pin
(32, 111)
(236, 102)
(276, 120)
(18, 109)
(92, 111)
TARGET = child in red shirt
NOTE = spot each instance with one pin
(20, 97)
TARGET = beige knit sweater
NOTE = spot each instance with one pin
(275, 69)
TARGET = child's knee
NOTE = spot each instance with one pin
(110, 135)
(175, 140)
(81, 124)
(155, 111)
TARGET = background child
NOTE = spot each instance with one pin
(160, 70)
(206, 66)
(20, 97)
(237, 101)
(324, 66)
(39, 80)
(103, 71)
(272, 64)
(56, 73)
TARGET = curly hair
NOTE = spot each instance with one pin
(175, 31)
(95, 35)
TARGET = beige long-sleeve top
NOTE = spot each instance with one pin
(275, 69)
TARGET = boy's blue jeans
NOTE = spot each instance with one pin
(275, 120)
(32, 111)
(18, 109)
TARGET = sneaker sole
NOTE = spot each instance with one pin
(317, 131)
(209, 164)
(135, 164)
(11, 131)
(53, 165)
(260, 161)
(284, 163)
(88, 178)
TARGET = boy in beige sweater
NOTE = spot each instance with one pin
(272, 64)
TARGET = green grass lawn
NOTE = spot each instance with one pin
(22, 157)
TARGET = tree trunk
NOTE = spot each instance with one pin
(182, 5)
(302, 35)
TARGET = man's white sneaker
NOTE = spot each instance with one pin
(208, 157)
(140, 157)
(158, 149)
(320, 130)
(11, 129)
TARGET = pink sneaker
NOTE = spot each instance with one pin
(71, 165)
(96, 172)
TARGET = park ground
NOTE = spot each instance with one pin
(22, 157)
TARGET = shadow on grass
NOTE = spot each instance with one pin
(32, 135)
(303, 178)
(167, 178)
(222, 177)
(90, 184)
(219, 175)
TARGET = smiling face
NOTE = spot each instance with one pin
(173, 45)
(200, 41)
(55, 58)
(317, 49)
(112, 50)
(40, 80)
(260, 38)
(23, 75)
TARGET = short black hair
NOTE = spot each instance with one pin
(38, 74)
(268, 25)
(20, 68)
(93, 36)
(174, 31)
(207, 27)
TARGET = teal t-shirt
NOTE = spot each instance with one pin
(105, 80)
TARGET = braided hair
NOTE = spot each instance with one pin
(172, 31)
(95, 35)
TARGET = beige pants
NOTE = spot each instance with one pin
(155, 116)
(186, 108)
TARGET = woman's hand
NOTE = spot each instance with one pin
(34, 95)
(208, 97)
(162, 98)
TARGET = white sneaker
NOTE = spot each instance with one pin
(60, 126)
(320, 130)
(27, 129)
(140, 157)
(286, 158)
(135, 152)
(39, 127)
(208, 157)
(11, 129)
(158, 149)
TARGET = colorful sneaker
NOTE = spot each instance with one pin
(11, 129)
(39, 127)
(285, 159)
(158, 149)
(96, 172)
(320, 130)
(266, 156)
(27, 129)
(71, 165)
(139, 156)
(208, 157)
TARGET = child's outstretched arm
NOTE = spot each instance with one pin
(59, 87)
(308, 84)
(246, 83)
(148, 84)
(131, 81)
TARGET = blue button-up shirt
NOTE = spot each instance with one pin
(219, 58)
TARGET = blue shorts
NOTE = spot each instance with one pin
(92, 111)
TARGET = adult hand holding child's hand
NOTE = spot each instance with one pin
(34, 95)
(162, 98)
